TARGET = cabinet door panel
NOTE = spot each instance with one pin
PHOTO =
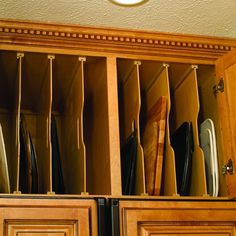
(40, 234)
(48, 221)
(226, 72)
(194, 230)
(169, 218)
(41, 228)
(48, 217)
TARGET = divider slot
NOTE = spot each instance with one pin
(36, 108)
(10, 93)
(209, 109)
(186, 108)
(67, 108)
(154, 84)
(129, 110)
(96, 126)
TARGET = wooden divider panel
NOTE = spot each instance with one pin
(36, 107)
(140, 170)
(158, 87)
(96, 126)
(47, 111)
(186, 102)
(113, 120)
(68, 105)
(132, 105)
(78, 155)
(16, 124)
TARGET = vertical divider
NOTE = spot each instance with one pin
(113, 121)
(160, 87)
(80, 135)
(140, 171)
(47, 111)
(74, 147)
(187, 109)
(96, 126)
(132, 105)
(16, 124)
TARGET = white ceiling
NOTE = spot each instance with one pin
(202, 17)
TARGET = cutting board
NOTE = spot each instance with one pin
(153, 145)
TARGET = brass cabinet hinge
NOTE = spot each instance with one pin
(228, 168)
(219, 87)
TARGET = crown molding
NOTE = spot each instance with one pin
(114, 41)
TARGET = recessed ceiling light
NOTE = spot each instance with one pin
(128, 2)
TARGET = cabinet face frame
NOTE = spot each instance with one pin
(23, 36)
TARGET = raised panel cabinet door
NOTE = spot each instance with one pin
(41, 234)
(30, 227)
(225, 93)
(175, 218)
(48, 217)
(178, 230)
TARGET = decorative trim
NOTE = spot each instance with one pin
(110, 38)
(115, 38)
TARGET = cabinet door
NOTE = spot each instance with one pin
(225, 93)
(175, 218)
(30, 217)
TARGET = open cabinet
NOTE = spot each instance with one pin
(88, 113)
(190, 97)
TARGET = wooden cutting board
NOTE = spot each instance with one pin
(153, 145)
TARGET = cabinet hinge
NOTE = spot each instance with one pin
(220, 87)
(228, 168)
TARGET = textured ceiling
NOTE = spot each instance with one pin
(202, 17)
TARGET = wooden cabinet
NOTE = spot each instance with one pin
(225, 74)
(186, 217)
(56, 217)
(98, 84)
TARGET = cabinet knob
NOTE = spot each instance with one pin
(228, 168)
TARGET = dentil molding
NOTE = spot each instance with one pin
(116, 41)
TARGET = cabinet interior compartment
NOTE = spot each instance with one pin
(75, 90)
(209, 109)
(69, 162)
(10, 79)
(96, 126)
(36, 95)
(129, 112)
(154, 83)
(185, 107)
